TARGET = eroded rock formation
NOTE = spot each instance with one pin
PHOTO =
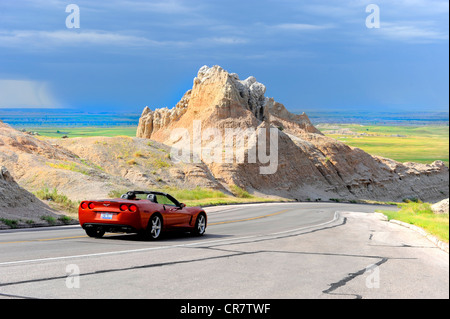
(311, 166)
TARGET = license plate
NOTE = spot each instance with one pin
(106, 216)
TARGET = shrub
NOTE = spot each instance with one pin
(60, 199)
(65, 219)
(49, 219)
(11, 223)
(412, 200)
(160, 163)
(239, 192)
(132, 162)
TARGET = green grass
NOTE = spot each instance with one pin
(59, 132)
(202, 196)
(69, 166)
(62, 201)
(49, 219)
(239, 192)
(160, 163)
(14, 223)
(194, 194)
(421, 215)
(229, 200)
(421, 144)
(11, 223)
(180, 194)
(65, 219)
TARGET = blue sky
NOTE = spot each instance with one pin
(313, 55)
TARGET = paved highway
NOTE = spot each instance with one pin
(294, 250)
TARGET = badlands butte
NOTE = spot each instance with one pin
(310, 166)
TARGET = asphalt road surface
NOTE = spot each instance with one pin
(293, 251)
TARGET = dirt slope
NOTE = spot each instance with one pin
(17, 203)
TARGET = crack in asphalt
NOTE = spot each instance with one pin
(350, 277)
(15, 296)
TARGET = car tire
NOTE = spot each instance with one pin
(200, 225)
(95, 232)
(154, 228)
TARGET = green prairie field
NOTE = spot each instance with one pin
(420, 144)
(55, 132)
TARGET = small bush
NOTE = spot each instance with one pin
(412, 200)
(132, 162)
(65, 219)
(60, 199)
(11, 223)
(239, 192)
(160, 163)
(49, 219)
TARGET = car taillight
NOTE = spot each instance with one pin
(84, 205)
(133, 208)
(91, 205)
(123, 207)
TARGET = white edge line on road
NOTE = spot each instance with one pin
(335, 218)
(117, 252)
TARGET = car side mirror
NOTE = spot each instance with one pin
(182, 205)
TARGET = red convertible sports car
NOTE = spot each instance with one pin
(157, 213)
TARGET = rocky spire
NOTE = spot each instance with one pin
(218, 95)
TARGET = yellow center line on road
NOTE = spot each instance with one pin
(62, 238)
(78, 237)
(247, 219)
(38, 240)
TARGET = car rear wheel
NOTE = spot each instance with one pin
(200, 225)
(154, 229)
(95, 232)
